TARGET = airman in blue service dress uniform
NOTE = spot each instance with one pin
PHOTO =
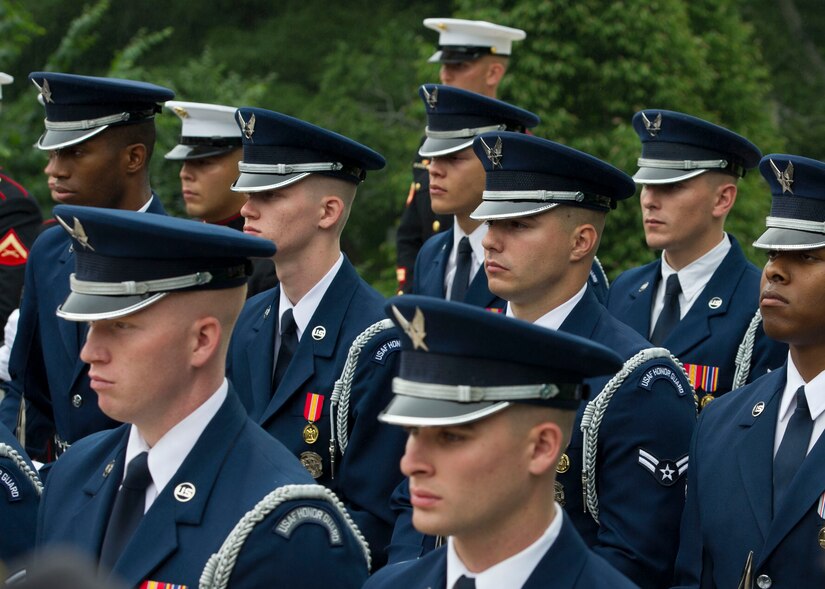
(489, 404)
(300, 182)
(755, 512)
(20, 490)
(91, 125)
(621, 479)
(474, 56)
(688, 172)
(209, 150)
(454, 118)
(161, 296)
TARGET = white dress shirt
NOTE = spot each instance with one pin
(693, 279)
(511, 573)
(814, 393)
(171, 450)
(556, 317)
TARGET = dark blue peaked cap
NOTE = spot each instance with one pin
(79, 107)
(279, 150)
(676, 147)
(126, 260)
(461, 363)
(797, 219)
(455, 117)
(527, 175)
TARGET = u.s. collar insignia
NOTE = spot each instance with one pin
(494, 154)
(666, 472)
(180, 111)
(758, 409)
(319, 332)
(715, 303)
(44, 90)
(184, 492)
(248, 127)
(77, 232)
(644, 287)
(785, 178)
(414, 329)
(431, 98)
(653, 127)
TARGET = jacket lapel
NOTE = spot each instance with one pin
(157, 535)
(637, 314)
(101, 488)
(330, 316)
(754, 453)
(804, 491)
(261, 366)
(563, 562)
(694, 328)
(432, 283)
(479, 294)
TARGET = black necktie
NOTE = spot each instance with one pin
(465, 583)
(671, 313)
(464, 260)
(793, 449)
(127, 511)
(289, 343)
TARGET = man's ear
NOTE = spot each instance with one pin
(206, 340)
(585, 239)
(135, 157)
(548, 440)
(332, 208)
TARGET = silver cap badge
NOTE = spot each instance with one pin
(785, 178)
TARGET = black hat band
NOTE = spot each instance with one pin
(211, 141)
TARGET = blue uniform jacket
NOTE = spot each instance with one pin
(431, 264)
(45, 364)
(568, 564)
(729, 509)
(368, 471)
(18, 504)
(232, 466)
(639, 510)
(706, 336)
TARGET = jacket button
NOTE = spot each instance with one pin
(763, 582)
(77, 401)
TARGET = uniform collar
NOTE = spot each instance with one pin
(554, 318)
(475, 239)
(512, 572)
(303, 311)
(695, 276)
(166, 457)
(814, 392)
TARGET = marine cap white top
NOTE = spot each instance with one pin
(457, 31)
(4, 79)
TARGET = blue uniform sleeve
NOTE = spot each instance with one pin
(642, 460)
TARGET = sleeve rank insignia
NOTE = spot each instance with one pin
(666, 472)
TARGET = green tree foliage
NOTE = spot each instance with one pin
(587, 66)
(354, 67)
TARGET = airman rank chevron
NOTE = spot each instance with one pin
(159, 585)
(666, 472)
(12, 250)
(703, 377)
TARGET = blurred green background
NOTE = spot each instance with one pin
(755, 66)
